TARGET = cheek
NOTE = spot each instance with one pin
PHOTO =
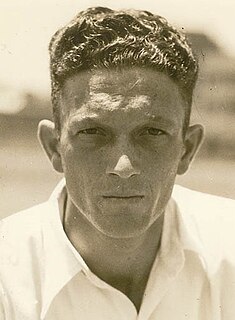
(165, 158)
(82, 164)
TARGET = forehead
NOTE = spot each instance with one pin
(137, 91)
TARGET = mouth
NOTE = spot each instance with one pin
(123, 197)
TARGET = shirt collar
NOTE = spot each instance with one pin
(62, 262)
(177, 238)
(167, 265)
(188, 232)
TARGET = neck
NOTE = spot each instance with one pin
(107, 256)
(125, 264)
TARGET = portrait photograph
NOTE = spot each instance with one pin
(117, 160)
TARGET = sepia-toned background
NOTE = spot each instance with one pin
(26, 177)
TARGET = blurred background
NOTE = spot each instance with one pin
(26, 176)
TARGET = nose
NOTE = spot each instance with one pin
(124, 168)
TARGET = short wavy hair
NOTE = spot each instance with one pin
(103, 38)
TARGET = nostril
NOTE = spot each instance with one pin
(123, 174)
(112, 173)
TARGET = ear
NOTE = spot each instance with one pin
(192, 142)
(48, 138)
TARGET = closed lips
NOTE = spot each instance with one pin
(124, 197)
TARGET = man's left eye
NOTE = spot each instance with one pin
(153, 132)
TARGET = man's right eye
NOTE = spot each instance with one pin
(90, 131)
(93, 136)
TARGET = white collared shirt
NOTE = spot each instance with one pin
(43, 277)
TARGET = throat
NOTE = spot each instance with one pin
(133, 288)
(124, 264)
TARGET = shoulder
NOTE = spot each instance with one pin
(28, 222)
(188, 199)
(203, 206)
(211, 220)
(22, 241)
(22, 231)
(25, 222)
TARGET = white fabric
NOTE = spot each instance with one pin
(43, 277)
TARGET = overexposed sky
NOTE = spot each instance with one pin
(26, 27)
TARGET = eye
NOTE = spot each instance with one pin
(91, 131)
(153, 132)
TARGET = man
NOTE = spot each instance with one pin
(113, 242)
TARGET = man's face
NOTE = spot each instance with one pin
(121, 145)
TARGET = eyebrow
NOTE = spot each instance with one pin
(156, 119)
(83, 120)
(80, 118)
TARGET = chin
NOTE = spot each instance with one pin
(123, 234)
(122, 227)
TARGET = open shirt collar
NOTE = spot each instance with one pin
(62, 261)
